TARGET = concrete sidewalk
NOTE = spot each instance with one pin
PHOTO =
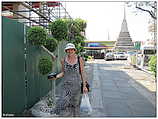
(119, 91)
(120, 95)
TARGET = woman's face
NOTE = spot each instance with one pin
(70, 51)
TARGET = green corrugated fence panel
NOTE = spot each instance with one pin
(13, 67)
(45, 84)
(61, 54)
(18, 94)
(32, 76)
(38, 85)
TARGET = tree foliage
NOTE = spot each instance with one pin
(59, 29)
(153, 64)
(73, 31)
(81, 24)
(70, 30)
(146, 6)
(37, 35)
(45, 65)
(51, 44)
(77, 27)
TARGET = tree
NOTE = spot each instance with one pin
(149, 7)
(76, 30)
(145, 6)
(59, 29)
(37, 35)
(69, 30)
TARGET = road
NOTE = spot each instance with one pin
(116, 93)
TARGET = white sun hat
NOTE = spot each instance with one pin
(70, 46)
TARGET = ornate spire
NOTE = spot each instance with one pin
(124, 12)
(108, 36)
(124, 42)
(124, 23)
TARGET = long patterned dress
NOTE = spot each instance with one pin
(68, 105)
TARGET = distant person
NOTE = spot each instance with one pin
(68, 104)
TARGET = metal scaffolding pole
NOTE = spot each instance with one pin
(43, 16)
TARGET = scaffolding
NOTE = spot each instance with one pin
(35, 13)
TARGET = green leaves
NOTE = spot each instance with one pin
(76, 28)
(51, 44)
(81, 23)
(153, 64)
(69, 30)
(45, 65)
(37, 35)
(59, 29)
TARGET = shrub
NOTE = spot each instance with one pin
(51, 44)
(78, 39)
(86, 57)
(81, 23)
(90, 57)
(153, 64)
(37, 35)
(45, 65)
(59, 29)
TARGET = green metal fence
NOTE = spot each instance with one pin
(22, 84)
(13, 73)
(37, 84)
(60, 54)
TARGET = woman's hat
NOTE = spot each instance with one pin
(70, 46)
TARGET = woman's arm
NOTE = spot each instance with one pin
(85, 90)
(82, 71)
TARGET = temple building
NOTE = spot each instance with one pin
(124, 41)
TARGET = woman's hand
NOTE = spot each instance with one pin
(85, 90)
(60, 75)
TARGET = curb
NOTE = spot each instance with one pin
(146, 71)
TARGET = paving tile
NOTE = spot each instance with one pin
(105, 80)
(116, 96)
(108, 84)
(109, 88)
(98, 113)
(118, 109)
(127, 89)
(96, 99)
(113, 94)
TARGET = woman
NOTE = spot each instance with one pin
(68, 104)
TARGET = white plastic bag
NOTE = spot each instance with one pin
(85, 106)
